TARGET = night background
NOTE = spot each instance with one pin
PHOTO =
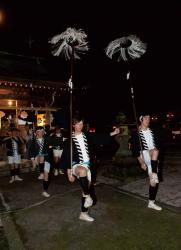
(101, 87)
(41, 207)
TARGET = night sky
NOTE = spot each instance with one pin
(108, 92)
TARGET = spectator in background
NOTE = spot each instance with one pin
(47, 130)
(27, 135)
(56, 143)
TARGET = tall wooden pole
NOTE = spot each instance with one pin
(134, 111)
(16, 119)
(71, 102)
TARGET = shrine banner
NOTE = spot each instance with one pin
(41, 119)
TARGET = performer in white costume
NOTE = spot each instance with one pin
(145, 146)
(83, 166)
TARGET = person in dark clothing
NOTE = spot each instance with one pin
(56, 144)
(38, 150)
(145, 146)
(14, 143)
(83, 168)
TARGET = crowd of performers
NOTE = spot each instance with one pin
(37, 146)
(47, 151)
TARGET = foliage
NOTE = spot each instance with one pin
(120, 118)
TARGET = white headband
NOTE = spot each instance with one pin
(41, 129)
(141, 117)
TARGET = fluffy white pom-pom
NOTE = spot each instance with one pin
(126, 48)
(63, 43)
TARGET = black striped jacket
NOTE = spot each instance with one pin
(77, 156)
(9, 145)
(33, 148)
(91, 141)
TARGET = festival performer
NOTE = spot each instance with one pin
(83, 164)
(56, 143)
(145, 146)
(14, 145)
(144, 141)
(38, 150)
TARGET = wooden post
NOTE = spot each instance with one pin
(134, 112)
(71, 103)
(16, 120)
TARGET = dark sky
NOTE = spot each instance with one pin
(156, 76)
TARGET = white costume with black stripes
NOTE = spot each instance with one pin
(148, 144)
(83, 154)
(40, 142)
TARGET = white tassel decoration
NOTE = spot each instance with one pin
(126, 48)
(62, 44)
